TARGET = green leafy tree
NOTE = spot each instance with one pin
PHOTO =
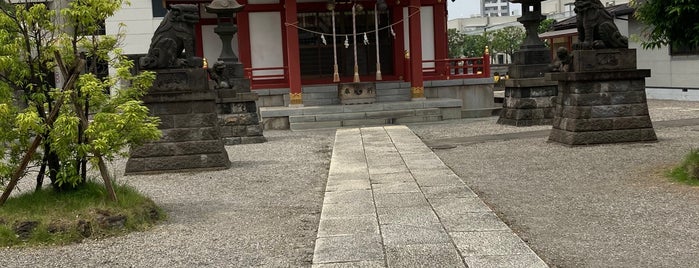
(546, 25)
(35, 42)
(474, 45)
(670, 22)
(507, 40)
(455, 41)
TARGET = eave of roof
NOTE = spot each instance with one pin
(616, 11)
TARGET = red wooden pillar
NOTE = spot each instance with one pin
(244, 51)
(417, 89)
(399, 51)
(440, 36)
(292, 52)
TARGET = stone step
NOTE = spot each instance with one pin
(364, 115)
(364, 122)
(267, 112)
(375, 114)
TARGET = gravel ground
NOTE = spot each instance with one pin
(263, 211)
(593, 206)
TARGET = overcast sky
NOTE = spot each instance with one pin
(466, 8)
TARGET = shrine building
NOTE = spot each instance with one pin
(290, 48)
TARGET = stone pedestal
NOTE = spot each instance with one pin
(357, 93)
(238, 117)
(604, 106)
(528, 102)
(191, 136)
(528, 97)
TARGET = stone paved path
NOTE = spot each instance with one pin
(391, 202)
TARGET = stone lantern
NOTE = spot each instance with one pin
(238, 116)
(533, 57)
(227, 66)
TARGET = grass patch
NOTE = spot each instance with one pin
(688, 171)
(48, 217)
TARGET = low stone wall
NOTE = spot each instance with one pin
(476, 95)
(681, 94)
(272, 97)
(374, 114)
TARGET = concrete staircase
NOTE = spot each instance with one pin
(375, 114)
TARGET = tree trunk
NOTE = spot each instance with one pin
(40, 176)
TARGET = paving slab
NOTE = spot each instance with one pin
(424, 255)
(344, 197)
(344, 226)
(489, 243)
(510, 261)
(353, 264)
(361, 247)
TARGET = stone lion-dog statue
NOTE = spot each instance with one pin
(596, 28)
(172, 45)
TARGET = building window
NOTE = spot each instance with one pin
(159, 9)
(680, 50)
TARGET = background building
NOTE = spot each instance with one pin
(495, 8)
(561, 9)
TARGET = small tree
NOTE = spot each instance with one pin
(546, 25)
(474, 45)
(33, 45)
(455, 41)
(507, 40)
(670, 22)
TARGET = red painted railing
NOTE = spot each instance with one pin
(443, 69)
(269, 77)
(461, 68)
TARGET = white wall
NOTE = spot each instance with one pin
(139, 26)
(427, 33)
(666, 71)
(266, 44)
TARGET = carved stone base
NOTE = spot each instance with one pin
(357, 93)
(168, 81)
(601, 107)
(528, 102)
(604, 60)
(191, 136)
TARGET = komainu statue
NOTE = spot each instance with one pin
(563, 61)
(596, 28)
(172, 45)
